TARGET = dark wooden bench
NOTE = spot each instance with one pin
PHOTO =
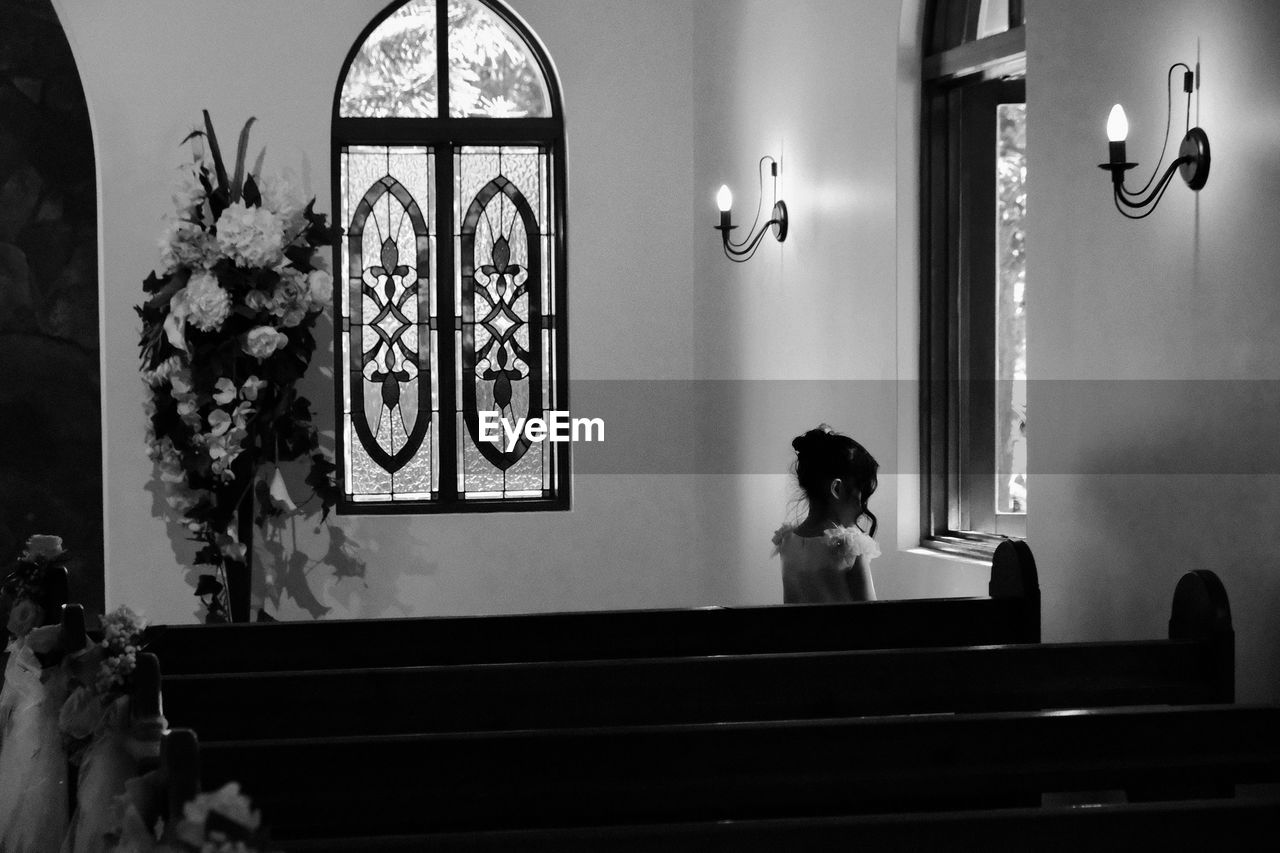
(1239, 825)
(735, 771)
(1010, 614)
(1194, 666)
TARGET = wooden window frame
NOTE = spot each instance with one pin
(962, 86)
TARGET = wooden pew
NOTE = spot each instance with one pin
(467, 782)
(1240, 825)
(1194, 666)
(1010, 614)
(179, 770)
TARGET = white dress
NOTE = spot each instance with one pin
(821, 569)
(107, 763)
(33, 766)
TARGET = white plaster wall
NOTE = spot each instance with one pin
(665, 100)
(824, 326)
(149, 66)
(1131, 488)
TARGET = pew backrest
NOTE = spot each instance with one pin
(1010, 615)
(695, 689)
(728, 771)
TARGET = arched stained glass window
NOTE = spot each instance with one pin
(450, 282)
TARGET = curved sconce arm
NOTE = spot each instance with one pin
(743, 251)
(740, 252)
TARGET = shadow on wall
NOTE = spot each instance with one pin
(1183, 476)
(50, 406)
(291, 551)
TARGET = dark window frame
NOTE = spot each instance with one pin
(964, 79)
(446, 135)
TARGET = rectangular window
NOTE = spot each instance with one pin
(974, 301)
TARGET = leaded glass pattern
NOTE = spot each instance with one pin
(501, 207)
(389, 323)
(450, 303)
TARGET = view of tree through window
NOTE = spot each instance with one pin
(1011, 310)
(491, 72)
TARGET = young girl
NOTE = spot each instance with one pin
(824, 558)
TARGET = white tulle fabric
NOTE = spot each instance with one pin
(33, 766)
(106, 764)
(815, 569)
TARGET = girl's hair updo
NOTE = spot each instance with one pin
(823, 455)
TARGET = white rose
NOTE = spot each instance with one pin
(208, 305)
(44, 546)
(252, 236)
(262, 341)
(320, 288)
(186, 244)
(188, 191)
(226, 801)
(291, 299)
(282, 196)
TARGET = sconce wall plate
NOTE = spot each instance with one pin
(1194, 152)
(779, 220)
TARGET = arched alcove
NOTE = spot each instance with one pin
(50, 398)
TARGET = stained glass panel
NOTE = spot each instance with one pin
(388, 318)
(501, 282)
(394, 73)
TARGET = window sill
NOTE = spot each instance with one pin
(976, 547)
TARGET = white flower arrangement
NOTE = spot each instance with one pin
(227, 334)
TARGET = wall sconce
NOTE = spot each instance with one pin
(742, 252)
(1192, 161)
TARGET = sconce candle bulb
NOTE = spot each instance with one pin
(741, 252)
(1117, 124)
(1117, 131)
(1192, 161)
(724, 199)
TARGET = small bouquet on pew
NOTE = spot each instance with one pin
(26, 601)
(102, 678)
(99, 732)
(221, 821)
